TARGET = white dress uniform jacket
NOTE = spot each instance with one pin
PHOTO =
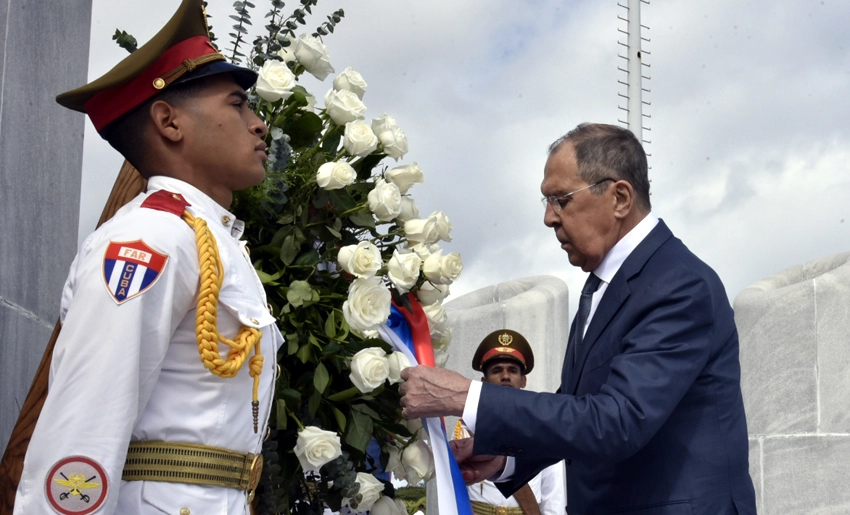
(131, 371)
(549, 487)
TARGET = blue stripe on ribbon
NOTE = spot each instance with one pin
(401, 328)
(399, 325)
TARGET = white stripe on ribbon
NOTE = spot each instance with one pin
(446, 503)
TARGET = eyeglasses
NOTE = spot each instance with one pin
(556, 202)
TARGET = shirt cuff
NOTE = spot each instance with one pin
(470, 408)
(508, 472)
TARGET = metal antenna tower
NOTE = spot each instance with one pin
(634, 70)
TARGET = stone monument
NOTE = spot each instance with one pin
(43, 51)
(795, 375)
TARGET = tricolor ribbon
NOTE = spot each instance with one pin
(407, 331)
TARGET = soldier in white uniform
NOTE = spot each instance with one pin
(505, 358)
(159, 391)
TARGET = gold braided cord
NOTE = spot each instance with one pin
(208, 337)
(458, 431)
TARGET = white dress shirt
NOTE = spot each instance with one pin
(131, 371)
(606, 271)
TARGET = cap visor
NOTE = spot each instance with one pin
(243, 76)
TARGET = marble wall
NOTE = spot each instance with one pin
(43, 52)
(795, 365)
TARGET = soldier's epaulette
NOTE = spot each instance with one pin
(167, 201)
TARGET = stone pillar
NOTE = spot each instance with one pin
(795, 366)
(43, 52)
(536, 307)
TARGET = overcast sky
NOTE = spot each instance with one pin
(750, 131)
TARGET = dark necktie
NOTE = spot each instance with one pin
(590, 287)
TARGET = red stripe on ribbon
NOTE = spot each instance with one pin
(423, 348)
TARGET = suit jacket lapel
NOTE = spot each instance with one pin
(616, 294)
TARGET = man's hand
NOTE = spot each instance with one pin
(476, 468)
(432, 392)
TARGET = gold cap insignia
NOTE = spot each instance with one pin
(506, 339)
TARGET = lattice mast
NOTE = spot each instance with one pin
(636, 70)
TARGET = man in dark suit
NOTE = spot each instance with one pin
(649, 415)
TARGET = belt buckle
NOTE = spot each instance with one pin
(254, 474)
(501, 510)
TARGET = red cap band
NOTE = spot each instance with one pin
(111, 104)
(503, 351)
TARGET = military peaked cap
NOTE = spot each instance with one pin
(181, 51)
(504, 343)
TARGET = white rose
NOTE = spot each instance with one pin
(397, 362)
(313, 55)
(441, 357)
(444, 226)
(359, 140)
(414, 426)
(430, 293)
(352, 81)
(421, 230)
(316, 447)
(423, 250)
(383, 123)
(418, 461)
(441, 269)
(394, 461)
(437, 317)
(403, 270)
(369, 369)
(388, 506)
(370, 489)
(368, 304)
(275, 81)
(405, 176)
(409, 209)
(287, 53)
(311, 103)
(444, 339)
(384, 200)
(361, 260)
(344, 106)
(333, 175)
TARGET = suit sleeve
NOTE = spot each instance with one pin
(106, 362)
(660, 358)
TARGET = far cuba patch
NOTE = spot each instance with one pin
(130, 268)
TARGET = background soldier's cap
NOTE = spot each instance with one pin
(181, 51)
(504, 343)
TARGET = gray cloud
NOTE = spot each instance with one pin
(749, 134)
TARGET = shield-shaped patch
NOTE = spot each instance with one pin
(130, 268)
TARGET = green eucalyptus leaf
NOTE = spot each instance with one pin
(281, 415)
(292, 398)
(309, 258)
(340, 418)
(344, 395)
(366, 410)
(321, 378)
(304, 353)
(359, 432)
(363, 219)
(314, 402)
(289, 249)
(330, 325)
(300, 292)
